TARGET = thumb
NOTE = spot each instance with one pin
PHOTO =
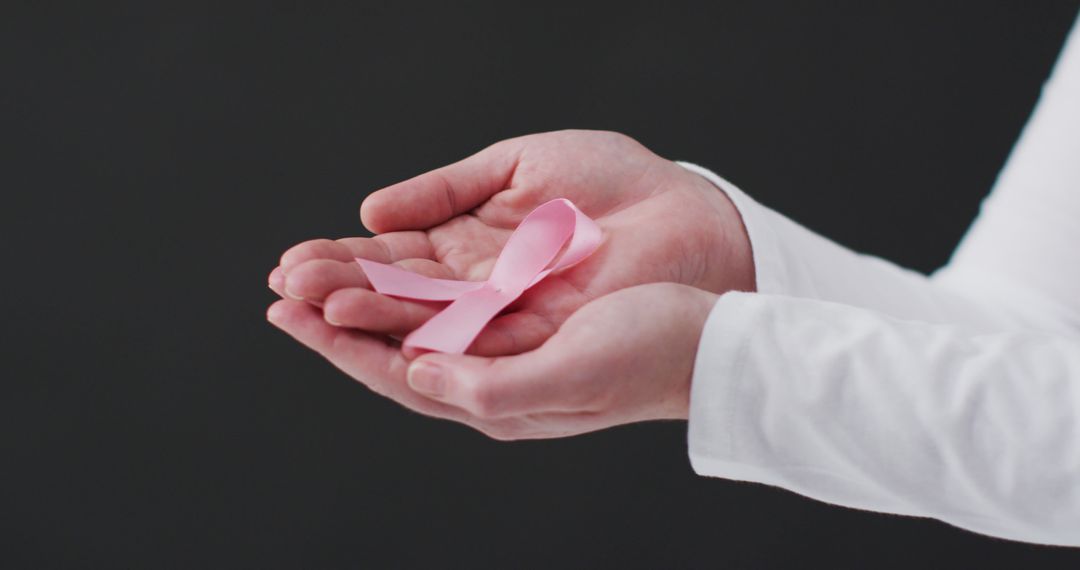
(432, 198)
(490, 388)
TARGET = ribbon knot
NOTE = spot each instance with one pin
(531, 253)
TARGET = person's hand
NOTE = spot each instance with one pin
(625, 357)
(661, 223)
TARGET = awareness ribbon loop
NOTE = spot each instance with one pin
(531, 253)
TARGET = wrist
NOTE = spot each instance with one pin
(696, 306)
(728, 257)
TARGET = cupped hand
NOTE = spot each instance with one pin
(661, 223)
(624, 357)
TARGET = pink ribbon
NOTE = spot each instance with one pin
(530, 255)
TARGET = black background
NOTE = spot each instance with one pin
(158, 159)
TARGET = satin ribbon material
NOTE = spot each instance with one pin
(534, 251)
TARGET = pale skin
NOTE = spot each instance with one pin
(607, 342)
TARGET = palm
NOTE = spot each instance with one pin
(660, 224)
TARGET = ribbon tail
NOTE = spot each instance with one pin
(392, 280)
(454, 328)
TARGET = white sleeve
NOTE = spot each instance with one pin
(792, 260)
(849, 406)
(955, 397)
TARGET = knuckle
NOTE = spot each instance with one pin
(336, 313)
(343, 299)
(617, 138)
(588, 394)
(596, 400)
(303, 251)
(321, 268)
(484, 401)
(498, 432)
(449, 198)
(305, 275)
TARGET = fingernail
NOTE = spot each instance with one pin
(273, 313)
(427, 378)
(292, 295)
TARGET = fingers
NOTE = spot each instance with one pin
(276, 281)
(380, 366)
(311, 270)
(432, 198)
(369, 359)
(386, 248)
(512, 333)
(304, 323)
(365, 309)
(315, 279)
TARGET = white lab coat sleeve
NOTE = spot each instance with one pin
(853, 407)
(957, 397)
(789, 259)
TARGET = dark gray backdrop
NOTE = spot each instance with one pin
(158, 159)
